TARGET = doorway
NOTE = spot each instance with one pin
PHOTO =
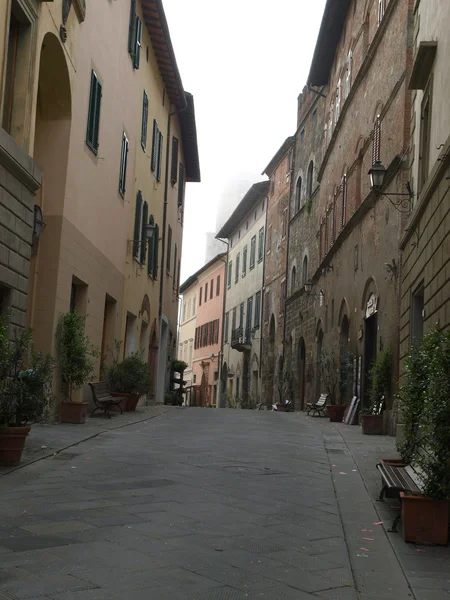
(162, 363)
(370, 354)
(301, 360)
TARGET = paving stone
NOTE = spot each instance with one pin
(61, 527)
(33, 542)
(41, 587)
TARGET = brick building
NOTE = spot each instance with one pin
(353, 263)
(279, 171)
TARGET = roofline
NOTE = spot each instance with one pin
(280, 154)
(193, 278)
(250, 198)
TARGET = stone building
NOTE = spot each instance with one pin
(94, 95)
(279, 171)
(425, 245)
(353, 275)
(241, 347)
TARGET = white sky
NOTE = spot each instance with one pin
(245, 61)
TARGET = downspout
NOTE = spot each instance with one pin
(225, 287)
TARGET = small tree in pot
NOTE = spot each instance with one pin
(379, 392)
(130, 378)
(25, 391)
(76, 359)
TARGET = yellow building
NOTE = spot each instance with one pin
(101, 109)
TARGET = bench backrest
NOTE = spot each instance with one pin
(100, 389)
(414, 470)
(322, 400)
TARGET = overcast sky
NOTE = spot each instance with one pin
(245, 61)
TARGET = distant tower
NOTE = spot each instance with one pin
(213, 247)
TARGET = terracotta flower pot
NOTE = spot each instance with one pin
(425, 520)
(336, 412)
(372, 424)
(12, 442)
(74, 412)
(129, 402)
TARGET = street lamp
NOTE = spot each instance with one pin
(377, 176)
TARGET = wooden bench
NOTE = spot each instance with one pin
(102, 398)
(399, 477)
(319, 407)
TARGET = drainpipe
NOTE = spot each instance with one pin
(225, 287)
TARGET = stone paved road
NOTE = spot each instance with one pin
(197, 504)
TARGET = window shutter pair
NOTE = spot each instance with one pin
(137, 44)
(95, 99)
(144, 121)
(137, 226)
(143, 233)
(157, 149)
(181, 187)
(174, 165)
(123, 165)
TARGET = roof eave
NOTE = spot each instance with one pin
(193, 278)
(250, 198)
(281, 153)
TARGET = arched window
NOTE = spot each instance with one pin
(298, 195)
(293, 279)
(338, 101)
(309, 180)
(348, 77)
(305, 271)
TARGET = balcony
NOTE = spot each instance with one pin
(241, 339)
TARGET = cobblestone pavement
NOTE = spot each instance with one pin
(205, 505)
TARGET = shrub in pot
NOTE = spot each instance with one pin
(130, 378)
(426, 413)
(379, 390)
(76, 358)
(25, 391)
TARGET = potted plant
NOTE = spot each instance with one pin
(130, 378)
(179, 366)
(25, 391)
(76, 357)
(426, 413)
(379, 390)
(329, 380)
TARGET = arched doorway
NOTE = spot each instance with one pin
(370, 306)
(301, 362)
(51, 152)
(344, 360)
(319, 362)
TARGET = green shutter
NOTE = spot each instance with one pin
(93, 124)
(137, 225)
(144, 121)
(181, 187)
(155, 145)
(98, 101)
(155, 252)
(137, 44)
(131, 31)
(143, 233)
(160, 154)
(174, 165)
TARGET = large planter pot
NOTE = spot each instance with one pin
(12, 442)
(336, 412)
(425, 520)
(129, 402)
(372, 424)
(74, 412)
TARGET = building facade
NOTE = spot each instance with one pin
(273, 373)
(241, 348)
(106, 130)
(186, 330)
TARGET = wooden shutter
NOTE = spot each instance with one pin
(376, 143)
(174, 165)
(181, 186)
(155, 145)
(155, 252)
(137, 45)
(151, 254)
(95, 98)
(98, 101)
(343, 200)
(143, 233)
(132, 26)
(137, 225)
(144, 121)
(160, 155)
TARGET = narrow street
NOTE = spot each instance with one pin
(204, 504)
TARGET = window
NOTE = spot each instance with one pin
(144, 126)
(137, 44)
(248, 322)
(181, 186)
(233, 320)
(302, 136)
(338, 101)
(230, 271)
(343, 191)
(139, 235)
(200, 299)
(252, 252)
(282, 295)
(285, 223)
(218, 285)
(261, 244)
(153, 250)
(211, 291)
(174, 163)
(169, 248)
(305, 271)
(227, 325)
(330, 122)
(236, 271)
(376, 141)
(293, 279)
(244, 262)
(143, 252)
(417, 315)
(348, 77)
(206, 291)
(424, 148)
(157, 151)
(355, 258)
(257, 318)
(93, 126)
(380, 10)
(298, 195)
(309, 180)
(241, 315)
(123, 165)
